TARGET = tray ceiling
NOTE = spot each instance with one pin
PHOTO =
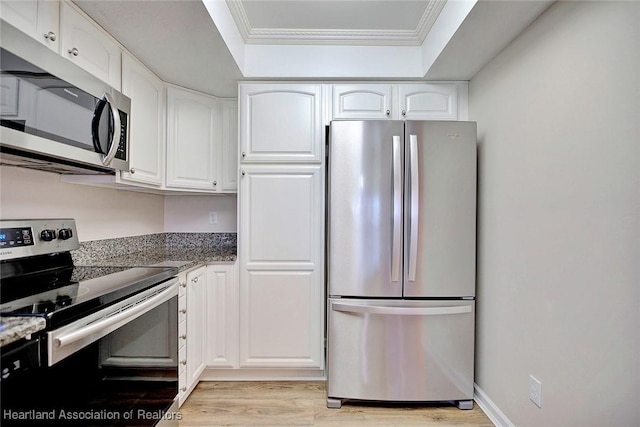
(353, 22)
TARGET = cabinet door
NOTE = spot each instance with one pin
(428, 101)
(281, 266)
(37, 18)
(89, 46)
(196, 318)
(280, 123)
(191, 139)
(229, 166)
(362, 101)
(222, 315)
(146, 134)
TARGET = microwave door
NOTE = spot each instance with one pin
(106, 128)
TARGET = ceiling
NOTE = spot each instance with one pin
(210, 45)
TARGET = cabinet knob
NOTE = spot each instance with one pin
(194, 280)
(404, 113)
(183, 311)
(74, 52)
(183, 284)
(51, 36)
(243, 154)
(183, 336)
(215, 183)
(388, 113)
(243, 172)
(183, 389)
(183, 362)
(132, 171)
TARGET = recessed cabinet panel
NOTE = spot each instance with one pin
(89, 46)
(222, 315)
(281, 123)
(279, 320)
(196, 324)
(191, 140)
(146, 137)
(37, 18)
(362, 101)
(429, 101)
(281, 215)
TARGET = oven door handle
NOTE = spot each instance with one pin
(117, 319)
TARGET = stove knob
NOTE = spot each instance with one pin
(48, 235)
(65, 233)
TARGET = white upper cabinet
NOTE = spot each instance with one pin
(191, 140)
(428, 101)
(281, 123)
(89, 46)
(362, 101)
(37, 18)
(419, 101)
(147, 130)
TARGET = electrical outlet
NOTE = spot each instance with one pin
(535, 391)
(213, 217)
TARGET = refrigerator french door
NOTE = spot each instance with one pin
(401, 261)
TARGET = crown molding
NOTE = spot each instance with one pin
(300, 36)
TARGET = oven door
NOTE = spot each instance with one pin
(128, 376)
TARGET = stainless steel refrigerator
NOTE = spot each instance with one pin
(401, 226)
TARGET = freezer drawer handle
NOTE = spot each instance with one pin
(399, 311)
(397, 211)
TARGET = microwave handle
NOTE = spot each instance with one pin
(115, 137)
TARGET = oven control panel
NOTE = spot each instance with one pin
(24, 238)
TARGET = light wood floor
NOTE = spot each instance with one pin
(295, 403)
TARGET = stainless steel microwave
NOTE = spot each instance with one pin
(54, 115)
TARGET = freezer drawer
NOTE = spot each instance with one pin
(399, 350)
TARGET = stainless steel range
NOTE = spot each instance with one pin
(108, 352)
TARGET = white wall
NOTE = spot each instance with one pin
(558, 115)
(190, 214)
(100, 213)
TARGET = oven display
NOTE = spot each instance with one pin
(16, 237)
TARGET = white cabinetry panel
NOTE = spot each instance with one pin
(37, 18)
(196, 324)
(229, 145)
(428, 101)
(146, 134)
(281, 123)
(89, 46)
(191, 139)
(222, 315)
(362, 101)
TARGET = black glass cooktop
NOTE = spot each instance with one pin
(65, 293)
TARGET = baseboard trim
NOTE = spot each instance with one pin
(247, 374)
(494, 413)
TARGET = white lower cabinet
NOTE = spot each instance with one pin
(222, 315)
(194, 309)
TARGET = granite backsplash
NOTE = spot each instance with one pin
(94, 250)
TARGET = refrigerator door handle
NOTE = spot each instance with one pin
(415, 207)
(397, 211)
(399, 311)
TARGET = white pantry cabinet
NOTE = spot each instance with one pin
(196, 317)
(89, 46)
(38, 18)
(222, 315)
(281, 266)
(281, 123)
(419, 101)
(147, 130)
(192, 124)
